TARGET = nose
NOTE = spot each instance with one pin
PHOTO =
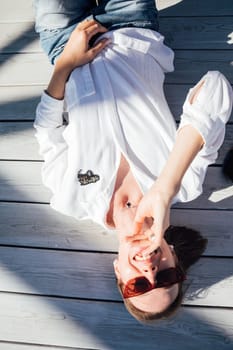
(150, 273)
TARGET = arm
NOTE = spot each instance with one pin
(157, 201)
(76, 53)
(188, 143)
(49, 114)
(206, 110)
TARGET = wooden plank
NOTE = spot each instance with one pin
(58, 273)
(18, 37)
(21, 182)
(197, 32)
(195, 8)
(217, 192)
(24, 69)
(12, 11)
(180, 33)
(19, 102)
(209, 283)
(105, 326)
(190, 65)
(215, 225)
(39, 225)
(72, 274)
(24, 12)
(18, 142)
(20, 346)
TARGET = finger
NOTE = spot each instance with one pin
(137, 228)
(87, 24)
(102, 29)
(94, 29)
(155, 236)
(138, 221)
(141, 243)
(99, 47)
(137, 237)
(147, 251)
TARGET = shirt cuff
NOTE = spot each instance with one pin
(49, 112)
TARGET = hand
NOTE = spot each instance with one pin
(156, 205)
(77, 51)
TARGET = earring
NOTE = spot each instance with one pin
(129, 205)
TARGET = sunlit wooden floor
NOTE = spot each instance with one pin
(57, 287)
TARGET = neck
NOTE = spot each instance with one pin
(125, 189)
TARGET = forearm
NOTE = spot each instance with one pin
(188, 144)
(61, 73)
(52, 145)
(75, 54)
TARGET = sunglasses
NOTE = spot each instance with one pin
(165, 278)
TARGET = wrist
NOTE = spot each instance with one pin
(62, 70)
(167, 187)
(56, 87)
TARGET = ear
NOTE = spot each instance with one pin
(116, 269)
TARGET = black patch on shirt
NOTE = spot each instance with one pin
(87, 178)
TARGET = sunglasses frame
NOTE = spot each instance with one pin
(179, 277)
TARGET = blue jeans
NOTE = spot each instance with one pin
(56, 19)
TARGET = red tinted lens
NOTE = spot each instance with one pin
(164, 278)
(141, 284)
(136, 286)
(169, 277)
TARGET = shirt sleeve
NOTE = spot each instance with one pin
(208, 114)
(52, 146)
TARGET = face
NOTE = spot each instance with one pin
(130, 263)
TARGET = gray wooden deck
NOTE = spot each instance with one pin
(57, 288)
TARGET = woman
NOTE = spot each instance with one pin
(119, 159)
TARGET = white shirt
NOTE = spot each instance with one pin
(116, 105)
